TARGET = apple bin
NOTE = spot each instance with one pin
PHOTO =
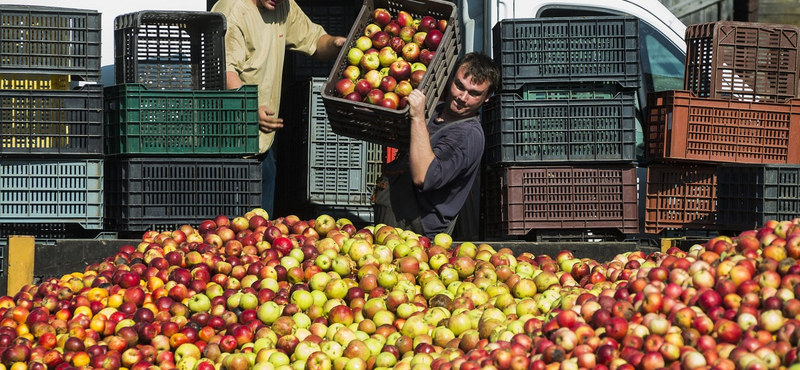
(386, 126)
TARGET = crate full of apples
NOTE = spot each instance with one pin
(393, 48)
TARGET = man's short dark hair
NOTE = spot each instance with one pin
(481, 68)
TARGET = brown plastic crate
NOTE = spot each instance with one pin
(682, 126)
(520, 199)
(384, 126)
(680, 196)
(742, 61)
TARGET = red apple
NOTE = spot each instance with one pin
(381, 17)
(433, 39)
(345, 86)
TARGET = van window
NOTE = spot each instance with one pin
(662, 62)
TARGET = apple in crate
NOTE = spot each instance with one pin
(371, 29)
(370, 61)
(392, 29)
(397, 44)
(381, 17)
(353, 73)
(354, 56)
(404, 19)
(427, 23)
(407, 34)
(363, 87)
(411, 52)
(374, 78)
(374, 96)
(387, 56)
(380, 39)
(345, 86)
(363, 43)
(416, 78)
(400, 70)
(388, 83)
(433, 39)
(403, 88)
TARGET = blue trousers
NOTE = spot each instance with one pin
(268, 171)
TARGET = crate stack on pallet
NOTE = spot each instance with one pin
(561, 132)
(51, 153)
(722, 152)
(177, 142)
(320, 171)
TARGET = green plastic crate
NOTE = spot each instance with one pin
(198, 122)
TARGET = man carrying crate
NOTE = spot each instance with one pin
(424, 189)
(258, 35)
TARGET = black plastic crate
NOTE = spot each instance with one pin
(750, 195)
(163, 193)
(387, 126)
(335, 18)
(520, 131)
(50, 40)
(65, 122)
(170, 50)
(567, 49)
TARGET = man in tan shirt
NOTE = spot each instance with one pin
(258, 34)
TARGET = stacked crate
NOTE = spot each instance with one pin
(738, 115)
(176, 140)
(561, 132)
(320, 172)
(51, 155)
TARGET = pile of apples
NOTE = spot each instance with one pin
(390, 59)
(319, 294)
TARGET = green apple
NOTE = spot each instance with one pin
(279, 358)
(199, 303)
(363, 43)
(248, 301)
(333, 349)
(354, 56)
(443, 240)
(187, 350)
(302, 298)
(268, 312)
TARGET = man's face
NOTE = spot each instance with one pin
(466, 97)
(269, 4)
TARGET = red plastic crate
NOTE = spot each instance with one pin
(520, 199)
(680, 196)
(742, 61)
(385, 126)
(682, 126)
